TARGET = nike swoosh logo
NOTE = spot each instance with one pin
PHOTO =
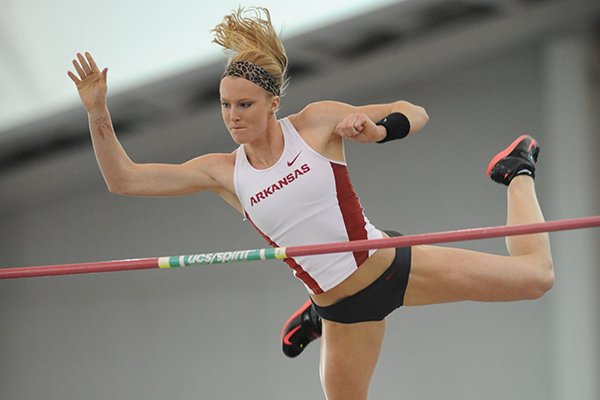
(532, 145)
(390, 275)
(294, 160)
(286, 339)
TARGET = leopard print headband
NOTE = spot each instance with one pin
(254, 73)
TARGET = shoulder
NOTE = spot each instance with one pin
(218, 167)
(316, 125)
(213, 160)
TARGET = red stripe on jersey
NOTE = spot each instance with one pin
(299, 272)
(352, 211)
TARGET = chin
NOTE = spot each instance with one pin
(239, 139)
(243, 136)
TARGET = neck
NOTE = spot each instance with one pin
(266, 151)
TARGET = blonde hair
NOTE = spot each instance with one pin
(247, 34)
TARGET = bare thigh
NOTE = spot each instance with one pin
(444, 274)
(349, 354)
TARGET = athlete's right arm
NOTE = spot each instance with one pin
(121, 174)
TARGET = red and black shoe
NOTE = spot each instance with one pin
(517, 159)
(303, 327)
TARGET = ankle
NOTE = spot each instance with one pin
(523, 180)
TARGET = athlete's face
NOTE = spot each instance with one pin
(246, 108)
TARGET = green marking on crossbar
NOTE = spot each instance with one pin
(222, 257)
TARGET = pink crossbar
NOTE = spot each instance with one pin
(294, 251)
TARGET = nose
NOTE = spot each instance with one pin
(234, 115)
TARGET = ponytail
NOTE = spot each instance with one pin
(248, 36)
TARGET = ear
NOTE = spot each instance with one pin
(275, 102)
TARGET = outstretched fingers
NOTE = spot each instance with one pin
(79, 69)
(74, 78)
(84, 66)
(91, 62)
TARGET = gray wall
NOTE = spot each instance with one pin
(213, 332)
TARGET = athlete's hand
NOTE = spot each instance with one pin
(360, 128)
(90, 82)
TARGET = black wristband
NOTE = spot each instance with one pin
(396, 125)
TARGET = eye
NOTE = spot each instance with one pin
(224, 104)
(245, 105)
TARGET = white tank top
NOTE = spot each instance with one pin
(305, 198)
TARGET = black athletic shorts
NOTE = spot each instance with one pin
(379, 299)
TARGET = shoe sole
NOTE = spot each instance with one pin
(507, 151)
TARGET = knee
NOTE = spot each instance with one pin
(542, 280)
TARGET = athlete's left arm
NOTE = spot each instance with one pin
(335, 119)
(361, 125)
